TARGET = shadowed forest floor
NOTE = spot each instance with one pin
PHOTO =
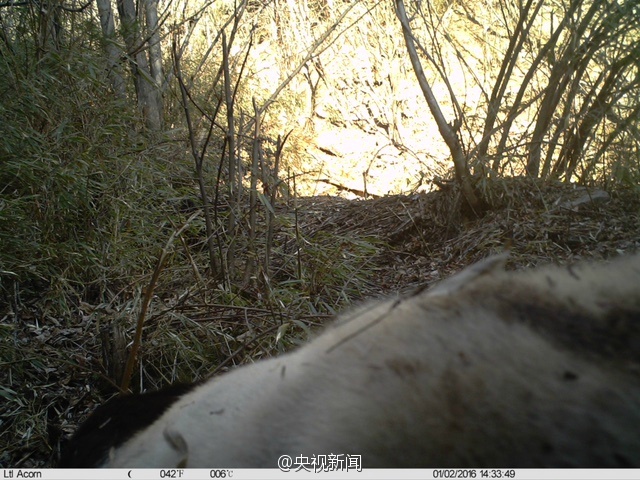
(419, 243)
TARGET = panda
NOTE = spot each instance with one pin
(528, 369)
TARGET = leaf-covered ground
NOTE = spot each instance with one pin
(55, 371)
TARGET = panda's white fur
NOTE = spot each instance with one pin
(539, 368)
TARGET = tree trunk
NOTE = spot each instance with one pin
(155, 51)
(113, 52)
(447, 132)
(146, 90)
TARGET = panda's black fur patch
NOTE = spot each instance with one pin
(113, 423)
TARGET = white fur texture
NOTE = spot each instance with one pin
(539, 368)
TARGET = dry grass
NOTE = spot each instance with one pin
(56, 370)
